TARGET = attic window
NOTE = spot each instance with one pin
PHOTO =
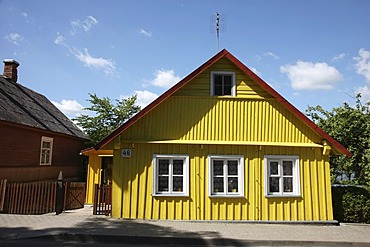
(46, 150)
(222, 83)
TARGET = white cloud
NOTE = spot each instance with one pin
(365, 93)
(164, 78)
(145, 97)
(15, 38)
(85, 25)
(69, 107)
(145, 33)
(59, 40)
(311, 76)
(363, 64)
(106, 65)
(339, 57)
(270, 54)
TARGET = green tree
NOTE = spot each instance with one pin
(351, 127)
(107, 116)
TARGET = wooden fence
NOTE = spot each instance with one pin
(2, 193)
(30, 198)
(40, 197)
(102, 200)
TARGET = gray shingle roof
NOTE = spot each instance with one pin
(23, 106)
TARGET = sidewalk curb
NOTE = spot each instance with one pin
(182, 241)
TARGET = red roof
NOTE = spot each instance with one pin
(224, 53)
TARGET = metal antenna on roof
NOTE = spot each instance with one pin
(218, 25)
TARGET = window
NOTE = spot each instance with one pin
(171, 175)
(226, 175)
(222, 83)
(282, 176)
(46, 150)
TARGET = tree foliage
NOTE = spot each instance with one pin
(107, 116)
(351, 127)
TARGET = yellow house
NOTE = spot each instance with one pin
(220, 145)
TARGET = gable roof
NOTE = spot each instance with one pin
(224, 53)
(23, 106)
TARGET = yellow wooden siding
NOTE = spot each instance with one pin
(215, 119)
(93, 176)
(133, 178)
(200, 86)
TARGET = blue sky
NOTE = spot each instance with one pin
(311, 52)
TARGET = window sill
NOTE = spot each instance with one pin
(283, 195)
(171, 195)
(224, 96)
(226, 196)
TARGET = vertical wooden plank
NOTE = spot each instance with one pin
(12, 195)
(314, 191)
(54, 194)
(118, 179)
(142, 184)
(42, 199)
(67, 201)
(2, 193)
(149, 179)
(25, 197)
(329, 205)
(247, 188)
(30, 198)
(96, 196)
(48, 192)
(17, 199)
(21, 198)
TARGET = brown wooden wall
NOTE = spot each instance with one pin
(20, 155)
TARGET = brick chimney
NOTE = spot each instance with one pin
(10, 69)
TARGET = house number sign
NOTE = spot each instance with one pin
(126, 153)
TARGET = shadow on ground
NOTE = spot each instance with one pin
(107, 230)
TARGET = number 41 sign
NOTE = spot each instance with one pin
(126, 153)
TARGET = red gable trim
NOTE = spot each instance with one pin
(288, 105)
(247, 71)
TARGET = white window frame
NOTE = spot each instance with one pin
(50, 150)
(240, 159)
(295, 174)
(170, 192)
(233, 86)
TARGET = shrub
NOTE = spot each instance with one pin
(351, 204)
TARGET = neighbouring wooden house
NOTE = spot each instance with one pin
(220, 145)
(37, 141)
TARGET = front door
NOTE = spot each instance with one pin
(106, 170)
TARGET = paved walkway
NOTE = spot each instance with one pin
(82, 225)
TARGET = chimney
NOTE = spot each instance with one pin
(10, 69)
